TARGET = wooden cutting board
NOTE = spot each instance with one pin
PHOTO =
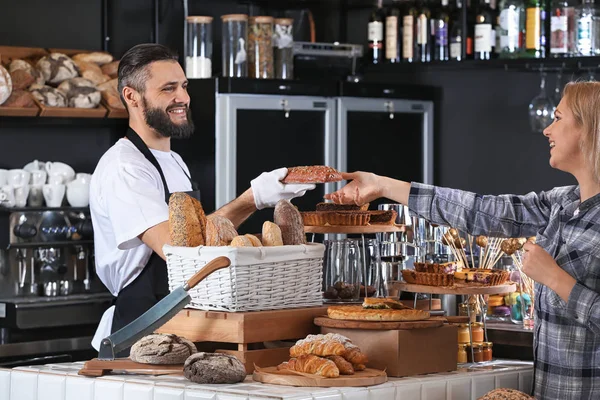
(97, 367)
(377, 325)
(368, 377)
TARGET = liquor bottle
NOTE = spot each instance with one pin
(470, 28)
(409, 27)
(375, 34)
(587, 28)
(393, 34)
(441, 22)
(511, 28)
(534, 24)
(423, 33)
(456, 31)
(483, 31)
(562, 28)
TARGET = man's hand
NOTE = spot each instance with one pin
(268, 190)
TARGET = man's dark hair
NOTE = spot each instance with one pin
(133, 67)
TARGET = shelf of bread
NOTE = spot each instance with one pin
(464, 289)
(63, 83)
(354, 229)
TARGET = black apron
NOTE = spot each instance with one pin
(151, 285)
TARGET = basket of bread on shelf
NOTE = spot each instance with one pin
(58, 83)
(272, 269)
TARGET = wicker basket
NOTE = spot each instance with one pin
(259, 278)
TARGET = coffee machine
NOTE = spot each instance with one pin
(50, 298)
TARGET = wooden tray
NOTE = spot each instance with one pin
(354, 229)
(97, 367)
(9, 53)
(368, 377)
(115, 112)
(71, 112)
(377, 325)
(500, 289)
(19, 111)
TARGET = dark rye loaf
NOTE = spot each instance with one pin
(214, 368)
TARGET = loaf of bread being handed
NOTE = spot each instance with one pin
(268, 188)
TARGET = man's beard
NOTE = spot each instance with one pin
(160, 121)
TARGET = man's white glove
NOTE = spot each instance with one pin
(268, 189)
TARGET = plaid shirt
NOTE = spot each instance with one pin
(567, 334)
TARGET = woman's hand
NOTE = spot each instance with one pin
(364, 188)
(542, 268)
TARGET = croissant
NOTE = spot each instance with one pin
(344, 366)
(311, 364)
(318, 345)
(354, 355)
(359, 367)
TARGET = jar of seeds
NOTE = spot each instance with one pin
(283, 43)
(260, 47)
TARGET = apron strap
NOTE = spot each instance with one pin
(143, 148)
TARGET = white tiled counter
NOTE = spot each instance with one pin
(61, 382)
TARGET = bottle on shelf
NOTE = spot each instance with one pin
(586, 20)
(409, 28)
(471, 12)
(393, 33)
(535, 29)
(423, 33)
(483, 31)
(511, 28)
(440, 32)
(456, 31)
(375, 34)
(562, 28)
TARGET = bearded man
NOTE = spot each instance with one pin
(130, 188)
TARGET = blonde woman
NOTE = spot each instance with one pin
(565, 262)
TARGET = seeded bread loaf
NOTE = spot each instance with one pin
(187, 223)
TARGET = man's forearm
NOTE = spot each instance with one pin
(395, 190)
(239, 209)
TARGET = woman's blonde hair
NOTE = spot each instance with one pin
(583, 98)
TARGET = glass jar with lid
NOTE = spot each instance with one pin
(462, 353)
(260, 47)
(468, 309)
(477, 352)
(477, 331)
(283, 48)
(234, 46)
(487, 351)
(198, 52)
(464, 336)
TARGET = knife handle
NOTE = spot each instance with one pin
(214, 265)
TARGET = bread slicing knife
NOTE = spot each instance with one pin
(158, 315)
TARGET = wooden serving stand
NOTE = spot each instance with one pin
(271, 375)
(246, 328)
(351, 229)
(458, 290)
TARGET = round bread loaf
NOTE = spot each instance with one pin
(505, 394)
(81, 93)
(214, 368)
(162, 349)
(57, 67)
(5, 84)
(23, 65)
(48, 96)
